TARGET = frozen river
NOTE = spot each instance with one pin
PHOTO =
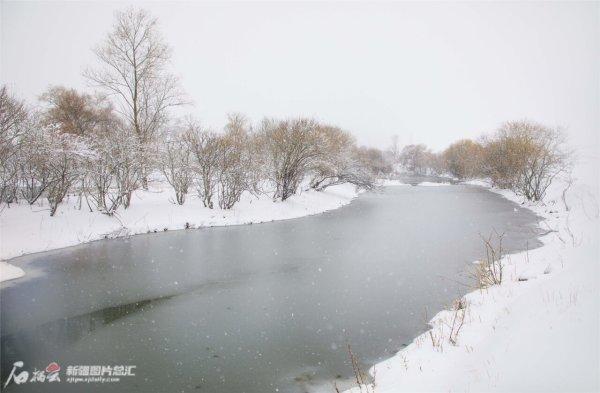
(255, 308)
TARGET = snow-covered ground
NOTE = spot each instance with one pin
(27, 229)
(537, 331)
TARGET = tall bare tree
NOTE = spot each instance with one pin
(133, 69)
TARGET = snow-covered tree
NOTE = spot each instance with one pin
(291, 148)
(14, 120)
(175, 164)
(204, 146)
(235, 162)
(339, 161)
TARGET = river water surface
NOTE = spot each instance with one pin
(255, 308)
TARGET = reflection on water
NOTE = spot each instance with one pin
(255, 308)
(63, 332)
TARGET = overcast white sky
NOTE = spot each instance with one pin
(429, 72)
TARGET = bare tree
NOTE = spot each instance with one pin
(48, 162)
(112, 169)
(374, 161)
(13, 123)
(526, 157)
(112, 172)
(437, 164)
(292, 147)
(235, 164)
(339, 161)
(127, 167)
(91, 118)
(51, 164)
(463, 159)
(176, 165)
(33, 161)
(64, 163)
(75, 113)
(133, 70)
(205, 147)
(101, 173)
(395, 149)
(415, 158)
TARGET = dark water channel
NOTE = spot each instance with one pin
(256, 308)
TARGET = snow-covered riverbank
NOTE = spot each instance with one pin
(538, 330)
(26, 229)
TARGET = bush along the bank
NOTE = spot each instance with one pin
(523, 156)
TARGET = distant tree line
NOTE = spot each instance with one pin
(523, 156)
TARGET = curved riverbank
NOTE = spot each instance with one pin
(26, 229)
